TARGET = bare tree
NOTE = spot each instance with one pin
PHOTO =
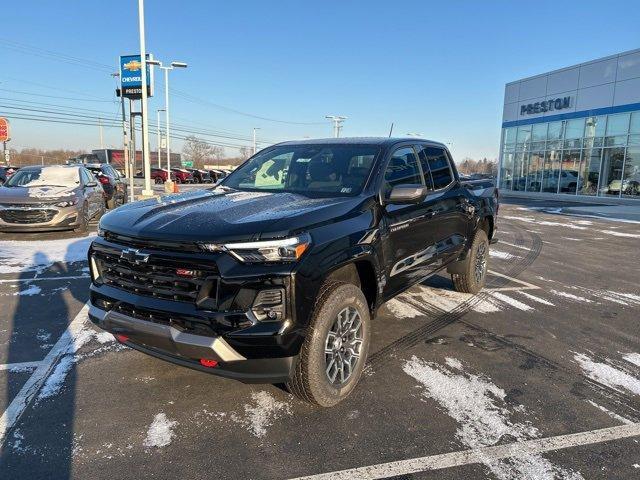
(198, 151)
(245, 152)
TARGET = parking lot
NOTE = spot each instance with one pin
(538, 376)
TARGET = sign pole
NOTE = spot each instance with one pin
(132, 158)
(147, 192)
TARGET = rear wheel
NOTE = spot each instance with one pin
(476, 263)
(335, 349)
(158, 180)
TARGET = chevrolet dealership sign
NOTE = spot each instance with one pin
(131, 77)
(546, 106)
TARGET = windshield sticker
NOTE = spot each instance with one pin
(346, 190)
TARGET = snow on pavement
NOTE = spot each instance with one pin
(160, 433)
(608, 374)
(479, 407)
(261, 414)
(18, 256)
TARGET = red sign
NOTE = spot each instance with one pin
(4, 130)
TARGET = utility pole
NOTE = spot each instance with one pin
(132, 163)
(255, 145)
(101, 133)
(337, 124)
(147, 192)
(125, 141)
(159, 134)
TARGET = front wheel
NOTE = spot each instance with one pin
(335, 349)
(475, 269)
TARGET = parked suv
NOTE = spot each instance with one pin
(199, 176)
(115, 188)
(274, 275)
(182, 175)
(160, 175)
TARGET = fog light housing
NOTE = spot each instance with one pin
(269, 305)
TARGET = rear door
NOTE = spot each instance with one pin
(448, 204)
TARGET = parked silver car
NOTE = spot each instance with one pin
(50, 198)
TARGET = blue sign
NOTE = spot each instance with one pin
(131, 76)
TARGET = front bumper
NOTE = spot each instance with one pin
(27, 218)
(185, 349)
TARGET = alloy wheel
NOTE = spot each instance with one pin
(481, 262)
(343, 346)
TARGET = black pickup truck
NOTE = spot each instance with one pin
(273, 275)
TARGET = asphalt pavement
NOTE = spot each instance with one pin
(538, 376)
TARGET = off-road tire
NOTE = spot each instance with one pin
(309, 381)
(468, 282)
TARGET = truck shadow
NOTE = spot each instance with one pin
(41, 441)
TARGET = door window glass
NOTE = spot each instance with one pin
(424, 162)
(402, 169)
(439, 166)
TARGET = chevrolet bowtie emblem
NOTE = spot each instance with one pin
(134, 255)
(132, 66)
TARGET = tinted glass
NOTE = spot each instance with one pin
(424, 162)
(439, 167)
(310, 169)
(631, 179)
(402, 169)
(618, 124)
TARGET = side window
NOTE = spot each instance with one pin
(86, 177)
(424, 163)
(439, 166)
(402, 170)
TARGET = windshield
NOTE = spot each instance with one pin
(308, 169)
(49, 177)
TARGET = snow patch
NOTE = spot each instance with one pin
(573, 226)
(610, 413)
(262, 413)
(502, 255)
(30, 291)
(160, 433)
(632, 358)
(570, 296)
(607, 374)
(401, 309)
(620, 234)
(478, 405)
(25, 256)
(448, 300)
(512, 301)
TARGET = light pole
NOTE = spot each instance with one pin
(337, 123)
(158, 131)
(255, 145)
(147, 192)
(166, 103)
(125, 141)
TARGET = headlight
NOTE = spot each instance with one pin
(281, 250)
(67, 203)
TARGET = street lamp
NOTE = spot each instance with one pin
(254, 139)
(158, 132)
(166, 101)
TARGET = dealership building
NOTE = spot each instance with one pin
(574, 131)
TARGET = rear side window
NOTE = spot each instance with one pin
(435, 159)
(402, 169)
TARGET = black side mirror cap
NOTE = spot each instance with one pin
(406, 194)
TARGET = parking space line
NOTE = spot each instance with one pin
(482, 454)
(30, 389)
(524, 285)
(19, 366)
(522, 247)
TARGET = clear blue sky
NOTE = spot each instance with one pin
(436, 68)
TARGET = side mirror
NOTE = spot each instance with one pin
(406, 194)
(91, 184)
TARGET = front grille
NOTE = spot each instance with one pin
(157, 277)
(196, 326)
(151, 244)
(27, 216)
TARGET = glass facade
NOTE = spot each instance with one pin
(597, 155)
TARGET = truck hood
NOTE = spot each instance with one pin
(35, 195)
(219, 216)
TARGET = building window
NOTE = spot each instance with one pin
(611, 171)
(631, 174)
(589, 171)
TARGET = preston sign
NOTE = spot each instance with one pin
(546, 106)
